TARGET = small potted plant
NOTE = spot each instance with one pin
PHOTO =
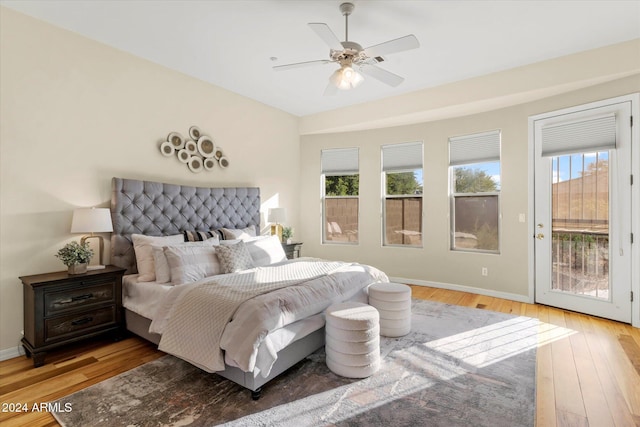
(287, 234)
(75, 256)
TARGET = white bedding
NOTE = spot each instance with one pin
(143, 298)
(252, 334)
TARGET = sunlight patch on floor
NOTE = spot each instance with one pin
(490, 344)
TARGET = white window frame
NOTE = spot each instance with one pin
(474, 149)
(338, 162)
(398, 167)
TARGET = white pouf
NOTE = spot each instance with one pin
(352, 341)
(393, 302)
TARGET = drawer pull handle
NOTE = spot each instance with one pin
(82, 321)
(75, 299)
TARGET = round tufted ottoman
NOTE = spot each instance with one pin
(352, 339)
(393, 301)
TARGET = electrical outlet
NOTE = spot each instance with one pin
(485, 271)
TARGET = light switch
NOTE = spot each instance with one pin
(521, 217)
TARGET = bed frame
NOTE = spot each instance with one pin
(158, 209)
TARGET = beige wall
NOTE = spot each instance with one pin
(76, 113)
(508, 272)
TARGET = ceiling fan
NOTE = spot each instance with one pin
(352, 58)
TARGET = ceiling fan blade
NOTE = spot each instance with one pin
(324, 32)
(383, 75)
(392, 46)
(330, 90)
(301, 64)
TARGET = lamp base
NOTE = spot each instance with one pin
(276, 229)
(95, 267)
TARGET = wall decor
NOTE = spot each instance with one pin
(198, 151)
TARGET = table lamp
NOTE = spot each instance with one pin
(92, 220)
(276, 216)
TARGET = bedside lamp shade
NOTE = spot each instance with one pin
(275, 217)
(92, 220)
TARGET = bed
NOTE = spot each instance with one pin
(221, 218)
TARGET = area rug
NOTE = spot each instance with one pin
(459, 366)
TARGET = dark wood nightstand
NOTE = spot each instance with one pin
(292, 250)
(60, 308)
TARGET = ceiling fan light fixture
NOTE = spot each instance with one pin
(346, 78)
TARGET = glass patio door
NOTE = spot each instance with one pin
(583, 209)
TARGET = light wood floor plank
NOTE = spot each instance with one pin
(566, 383)
(619, 409)
(545, 392)
(595, 402)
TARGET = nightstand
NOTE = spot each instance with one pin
(292, 250)
(61, 308)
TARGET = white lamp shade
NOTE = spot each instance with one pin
(346, 78)
(91, 220)
(277, 215)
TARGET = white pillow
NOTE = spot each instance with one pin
(266, 250)
(144, 254)
(163, 271)
(239, 233)
(189, 263)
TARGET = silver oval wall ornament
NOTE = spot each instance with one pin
(183, 156)
(206, 147)
(224, 162)
(195, 164)
(176, 140)
(195, 133)
(166, 148)
(191, 147)
(209, 163)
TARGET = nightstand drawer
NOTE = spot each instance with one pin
(78, 323)
(67, 299)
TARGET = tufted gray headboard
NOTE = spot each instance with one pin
(157, 209)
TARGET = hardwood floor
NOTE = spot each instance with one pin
(588, 369)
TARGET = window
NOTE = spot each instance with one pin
(402, 194)
(474, 162)
(340, 190)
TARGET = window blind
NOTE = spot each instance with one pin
(402, 157)
(475, 148)
(593, 134)
(340, 161)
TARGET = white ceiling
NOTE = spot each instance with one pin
(231, 43)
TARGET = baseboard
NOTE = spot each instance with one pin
(463, 288)
(10, 353)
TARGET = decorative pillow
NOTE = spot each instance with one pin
(144, 255)
(191, 262)
(199, 236)
(240, 233)
(265, 250)
(234, 258)
(163, 271)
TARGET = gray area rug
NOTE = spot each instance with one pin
(458, 367)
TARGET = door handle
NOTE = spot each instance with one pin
(539, 236)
